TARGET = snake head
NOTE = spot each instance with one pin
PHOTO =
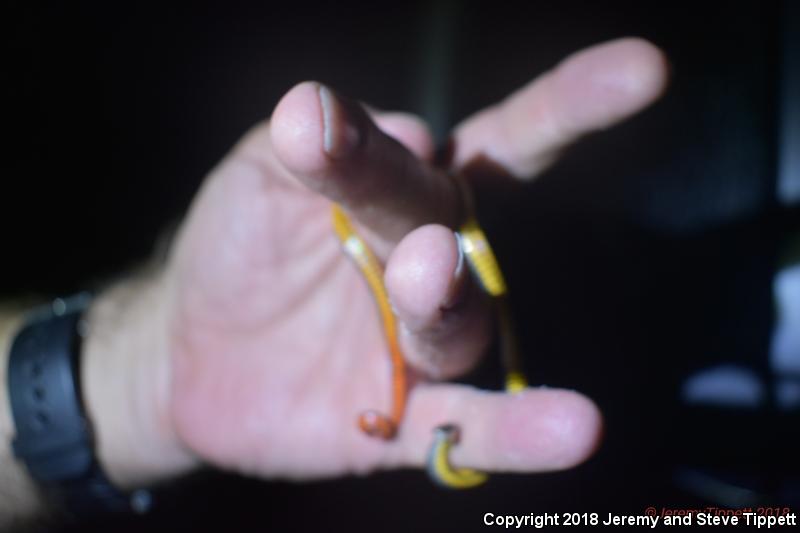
(377, 425)
(448, 432)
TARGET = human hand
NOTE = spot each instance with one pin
(272, 341)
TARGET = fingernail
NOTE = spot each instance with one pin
(340, 136)
(456, 290)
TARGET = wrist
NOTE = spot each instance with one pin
(125, 375)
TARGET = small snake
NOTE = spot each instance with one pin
(372, 422)
(483, 263)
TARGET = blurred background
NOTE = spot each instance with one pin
(656, 269)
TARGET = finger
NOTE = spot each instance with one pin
(532, 431)
(590, 90)
(407, 129)
(444, 323)
(332, 146)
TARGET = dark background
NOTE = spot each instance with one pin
(647, 254)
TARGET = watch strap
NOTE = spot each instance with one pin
(53, 435)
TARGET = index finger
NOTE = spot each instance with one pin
(590, 90)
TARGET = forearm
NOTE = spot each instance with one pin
(125, 373)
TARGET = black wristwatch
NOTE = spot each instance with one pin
(53, 434)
